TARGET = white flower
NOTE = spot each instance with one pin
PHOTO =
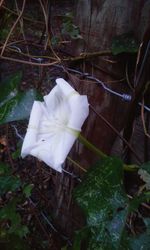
(55, 124)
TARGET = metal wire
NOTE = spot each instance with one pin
(123, 96)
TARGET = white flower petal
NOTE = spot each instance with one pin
(32, 131)
(64, 87)
(43, 152)
(54, 125)
(65, 144)
(79, 111)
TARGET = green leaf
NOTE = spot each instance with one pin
(69, 28)
(104, 202)
(4, 169)
(8, 212)
(9, 88)
(16, 154)
(144, 173)
(124, 44)
(27, 190)
(18, 108)
(137, 200)
(146, 166)
(20, 230)
(140, 242)
(8, 182)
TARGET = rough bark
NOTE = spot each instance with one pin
(99, 23)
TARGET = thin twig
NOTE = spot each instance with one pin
(88, 56)
(27, 62)
(143, 120)
(1, 2)
(76, 164)
(48, 42)
(13, 27)
(25, 17)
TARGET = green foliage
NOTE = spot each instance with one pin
(69, 28)
(27, 189)
(8, 213)
(16, 154)
(10, 218)
(144, 173)
(14, 104)
(140, 242)
(9, 88)
(124, 44)
(106, 207)
(104, 202)
(8, 182)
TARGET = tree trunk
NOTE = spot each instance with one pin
(100, 21)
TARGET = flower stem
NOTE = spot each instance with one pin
(91, 147)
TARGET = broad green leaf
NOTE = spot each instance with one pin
(9, 88)
(124, 44)
(104, 202)
(8, 183)
(18, 108)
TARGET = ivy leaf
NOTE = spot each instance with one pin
(9, 88)
(104, 202)
(140, 242)
(69, 28)
(18, 107)
(144, 173)
(124, 43)
(8, 182)
(8, 212)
